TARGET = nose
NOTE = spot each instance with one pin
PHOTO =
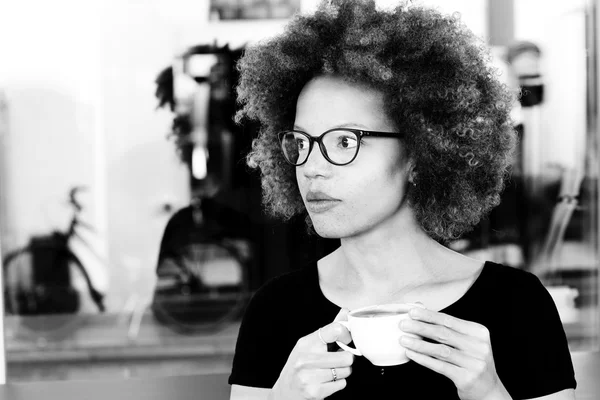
(316, 165)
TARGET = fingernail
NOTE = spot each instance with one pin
(408, 325)
(414, 312)
(405, 340)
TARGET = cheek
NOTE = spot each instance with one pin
(376, 195)
(386, 174)
(369, 199)
(301, 182)
(382, 193)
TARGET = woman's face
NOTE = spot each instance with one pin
(365, 192)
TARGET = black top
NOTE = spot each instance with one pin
(529, 344)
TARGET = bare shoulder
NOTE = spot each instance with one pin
(239, 392)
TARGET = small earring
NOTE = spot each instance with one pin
(411, 179)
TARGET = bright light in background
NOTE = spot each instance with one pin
(176, 11)
(473, 12)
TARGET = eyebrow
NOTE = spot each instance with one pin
(344, 125)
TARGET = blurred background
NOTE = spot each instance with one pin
(131, 231)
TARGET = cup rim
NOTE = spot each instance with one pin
(381, 306)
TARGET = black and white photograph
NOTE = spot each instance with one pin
(300, 199)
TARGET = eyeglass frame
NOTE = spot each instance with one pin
(360, 133)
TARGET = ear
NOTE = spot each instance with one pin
(410, 171)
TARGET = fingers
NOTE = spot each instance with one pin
(439, 351)
(326, 375)
(333, 332)
(329, 388)
(440, 334)
(441, 328)
(451, 371)
(342, 315)
(317, 382)
(326, 360)
(456, 324)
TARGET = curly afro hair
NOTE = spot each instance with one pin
(439, 86)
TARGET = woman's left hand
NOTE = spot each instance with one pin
(463, 352)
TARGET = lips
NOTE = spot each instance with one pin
(318, 202)
(317, 196)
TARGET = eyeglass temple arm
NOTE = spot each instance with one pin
(381, 134)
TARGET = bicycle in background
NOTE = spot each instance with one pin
(38, 277)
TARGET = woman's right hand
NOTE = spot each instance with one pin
(308, 373)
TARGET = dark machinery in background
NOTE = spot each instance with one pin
(220, 248)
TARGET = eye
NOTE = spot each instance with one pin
(301, 143)
(347, 141)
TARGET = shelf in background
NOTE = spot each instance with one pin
(95, 347)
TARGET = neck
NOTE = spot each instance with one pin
(396, 256)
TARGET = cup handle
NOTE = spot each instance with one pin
(356, 352)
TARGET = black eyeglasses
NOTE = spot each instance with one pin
(339, 146)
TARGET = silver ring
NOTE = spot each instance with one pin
(334, 374)
(321, 337)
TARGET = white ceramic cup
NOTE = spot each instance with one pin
(377, 337)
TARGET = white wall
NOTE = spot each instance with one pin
(142, 169)
(48, 65)
(558, 28)
(79, 77)
(49, 69)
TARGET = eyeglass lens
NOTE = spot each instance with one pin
(340, 145)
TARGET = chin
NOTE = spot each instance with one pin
(330, 230)
(328, 234)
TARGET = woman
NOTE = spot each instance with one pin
(389, 131)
